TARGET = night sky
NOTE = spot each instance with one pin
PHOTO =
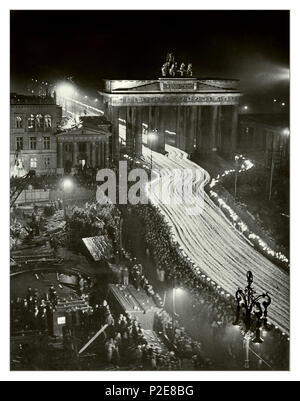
(252, 46)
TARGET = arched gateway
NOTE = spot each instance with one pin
(199, 115)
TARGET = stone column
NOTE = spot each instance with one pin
(88, 153)
(179, 126)
(129, 130)
(161, 130)
(103, 162)
(93, 154)
(75, 153)
(107, 154)
(99, 154)
(234, 126)
(152, 125)
(60, 155)
(213, 132)
(150, 118)
(198, 130)
(115, 133)
(219, 129)
(133, 130)
(138, 132)
(190, 128)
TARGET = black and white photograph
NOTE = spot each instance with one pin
(149, 192)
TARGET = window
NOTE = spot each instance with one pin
(19, 143)
(38, 121)
(47, 142)
(48, 121)
(47, 162)
(32, 142)
(68, 148)
(19, 122)
(33, 162)
(30, 121)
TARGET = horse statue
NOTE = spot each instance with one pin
(173, 70)
(189, 71)
(182, 70)
(165, 69)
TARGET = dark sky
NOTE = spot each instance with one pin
(250, 45)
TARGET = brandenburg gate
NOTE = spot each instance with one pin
(195, 115)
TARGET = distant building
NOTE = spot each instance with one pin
(86, 146)
(34, 124)
(265, 133)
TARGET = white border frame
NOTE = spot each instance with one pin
(5, 375)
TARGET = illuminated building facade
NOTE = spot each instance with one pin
(265, 133)
(34, 124)
(87, 146)
(192, 114)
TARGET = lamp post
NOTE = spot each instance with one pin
(251, 313)
(237, 164)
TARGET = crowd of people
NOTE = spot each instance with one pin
(124, 339)
(219, 306)
(126, 345)
(33, 313)
(170, 331)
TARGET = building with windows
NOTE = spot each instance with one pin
(265, 134)
(86, 146)
(34, 122)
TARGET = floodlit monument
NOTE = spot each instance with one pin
(199, 115)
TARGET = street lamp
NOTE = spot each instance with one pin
(67, 185)
(238, 160)
(286, 132)
(251, 313)
(152, 136)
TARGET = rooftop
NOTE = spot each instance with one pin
(94, 122)
(32, 99)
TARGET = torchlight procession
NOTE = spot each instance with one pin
(149, 195)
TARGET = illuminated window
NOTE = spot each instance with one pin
(33, 162)
(30, 121)
(48, 121)
(47, 142)
(32, 142)
(19, 143)
(38, 121)
(19, 122)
